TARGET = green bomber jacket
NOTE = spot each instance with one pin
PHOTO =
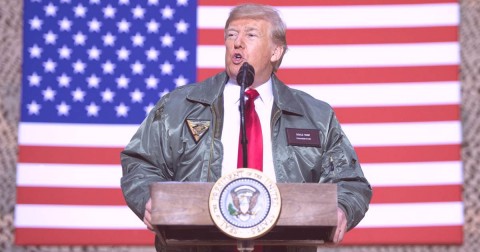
(163, 148)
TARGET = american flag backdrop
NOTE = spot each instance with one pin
(92, 69)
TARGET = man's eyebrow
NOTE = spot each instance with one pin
(239, 27)
(232, 29)
(246, 29)
(251, 28)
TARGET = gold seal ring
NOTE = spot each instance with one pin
(245, 204)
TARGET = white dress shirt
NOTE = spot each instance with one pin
(231, 126)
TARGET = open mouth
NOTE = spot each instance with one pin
(237, 58)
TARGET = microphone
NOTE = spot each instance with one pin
(245, 77)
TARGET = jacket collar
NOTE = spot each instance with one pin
(284, 97)
(209, 90)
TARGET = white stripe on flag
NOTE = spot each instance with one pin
(107, 217)
(70, 134)
(365, 134)
(74, 217)
(402, 134)
(314, 17)
(413, 215)
(414, 174)
(69, 175)
(374, 55)
(382, 94)
(108, 176)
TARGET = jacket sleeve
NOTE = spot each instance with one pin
(341, 166)
(145, 160)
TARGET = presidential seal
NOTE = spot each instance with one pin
(245, 204)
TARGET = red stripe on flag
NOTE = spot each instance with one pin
(50, 236)
(405, 235)
(113, 197)
(398, 114)
(357, 75)
(351, 36)
(70, 196)
(427, 153)
(380, 154)
(68, 155)
(358, 236)
(414, 194)
(321, 2)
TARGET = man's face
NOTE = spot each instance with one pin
(248, 40)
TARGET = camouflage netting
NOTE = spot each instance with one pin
(10, 85)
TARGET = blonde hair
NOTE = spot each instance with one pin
(267, 13)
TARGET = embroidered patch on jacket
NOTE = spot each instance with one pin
(198, 128)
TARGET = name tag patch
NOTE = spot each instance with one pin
(303, 137)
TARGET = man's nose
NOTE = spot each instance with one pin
(239, 43)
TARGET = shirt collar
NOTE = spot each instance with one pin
(265, 91)
(232, 89)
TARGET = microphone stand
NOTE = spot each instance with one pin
(242, 124)
(245, 77)
(244, 245)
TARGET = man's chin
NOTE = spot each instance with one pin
(232, 73)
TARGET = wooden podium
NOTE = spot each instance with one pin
(180, 212)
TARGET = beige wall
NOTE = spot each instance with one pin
(10, 85)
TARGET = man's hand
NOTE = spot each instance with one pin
(341, 226)
(147, 218)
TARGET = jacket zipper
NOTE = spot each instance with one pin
(214, 123)
(275, 118)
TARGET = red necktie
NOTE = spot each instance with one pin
(254, 134)
(254, 139)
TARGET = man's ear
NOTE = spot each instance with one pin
(276, 54)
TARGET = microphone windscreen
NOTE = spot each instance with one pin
(246, 75)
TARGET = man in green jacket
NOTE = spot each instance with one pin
(164, 148)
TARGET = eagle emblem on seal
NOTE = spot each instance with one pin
(244, 202)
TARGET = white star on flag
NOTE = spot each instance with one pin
(35, 51)
(63, 109)
(65, 24)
